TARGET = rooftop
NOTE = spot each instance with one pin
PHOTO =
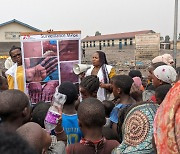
(116, 36)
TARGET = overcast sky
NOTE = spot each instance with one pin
(89, 16)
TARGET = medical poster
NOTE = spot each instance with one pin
(48, 59)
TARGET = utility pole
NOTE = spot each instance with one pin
(175, 32)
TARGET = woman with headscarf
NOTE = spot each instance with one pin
(167, 123)
(104, 71)
(163, 74)
(137, 130)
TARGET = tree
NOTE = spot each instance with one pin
(97, 33)
(167, 39)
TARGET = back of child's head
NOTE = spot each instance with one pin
(108, 106)
(124, 82)
(135, 73)
(91, 113)
(39, 113)
(90, 83)
(69, 89)
(161, 92)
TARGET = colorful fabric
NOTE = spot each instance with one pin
(137, 130)
(165, 73)
(167, 123)
(15, 77)
(71, 128)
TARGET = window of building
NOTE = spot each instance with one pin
(87, 44)
(94, 43)
(90, 44)
(112, 42)
(131, 41)
(125, 42)
(108, 43)
(104, 43)
(83, 44)
(120, 40)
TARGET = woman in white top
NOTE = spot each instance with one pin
(104, 71)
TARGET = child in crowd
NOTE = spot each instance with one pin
(39, 139)
(39, 113)
(121, 85)
(69, 115)
(91, 115)
(161, 91)
(88, 88)
(108, 106)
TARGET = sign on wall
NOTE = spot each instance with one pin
(48, 59)
(147, 46)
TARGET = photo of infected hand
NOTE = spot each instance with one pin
(35, 91)
(40, 71)
(49, 90)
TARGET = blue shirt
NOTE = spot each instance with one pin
(115, 111)
(71, 128)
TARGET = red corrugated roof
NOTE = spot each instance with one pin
(116, 36)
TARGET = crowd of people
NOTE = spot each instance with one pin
(105, 113)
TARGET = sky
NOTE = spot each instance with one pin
(89, 16)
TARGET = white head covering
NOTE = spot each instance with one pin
(166, 58)
(165, 73)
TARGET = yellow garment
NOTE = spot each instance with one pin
(112, 73)
(19, 77)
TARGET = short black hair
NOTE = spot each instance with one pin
(124, 82)
(13, 48)
(162, 90)
(69, 89)
(12, 103)
(39, 113)
(91, 113)
(108, 106)
(12, 143)
(90, 83)
(135, 73)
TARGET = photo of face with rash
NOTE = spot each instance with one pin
(69, 50)
(67, 74)
(32, 49)
(49, 48)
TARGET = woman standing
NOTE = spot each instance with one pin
(104, 71)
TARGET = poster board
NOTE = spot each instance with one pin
(147, 46)
(48, 59)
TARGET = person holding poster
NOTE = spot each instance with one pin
(15, 74)
(104, 71)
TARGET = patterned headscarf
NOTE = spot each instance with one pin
(167, 123)
(165, 73)
(138, 130)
